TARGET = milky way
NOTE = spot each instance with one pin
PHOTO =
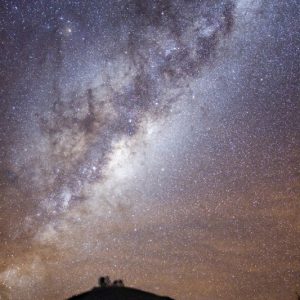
(154, 141)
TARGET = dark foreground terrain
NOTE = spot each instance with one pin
(117, 293)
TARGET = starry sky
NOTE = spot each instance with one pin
(155, 141)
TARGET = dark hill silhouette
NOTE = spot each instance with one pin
(116, 291)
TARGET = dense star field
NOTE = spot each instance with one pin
(155, 141)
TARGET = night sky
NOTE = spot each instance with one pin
(152, 141)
